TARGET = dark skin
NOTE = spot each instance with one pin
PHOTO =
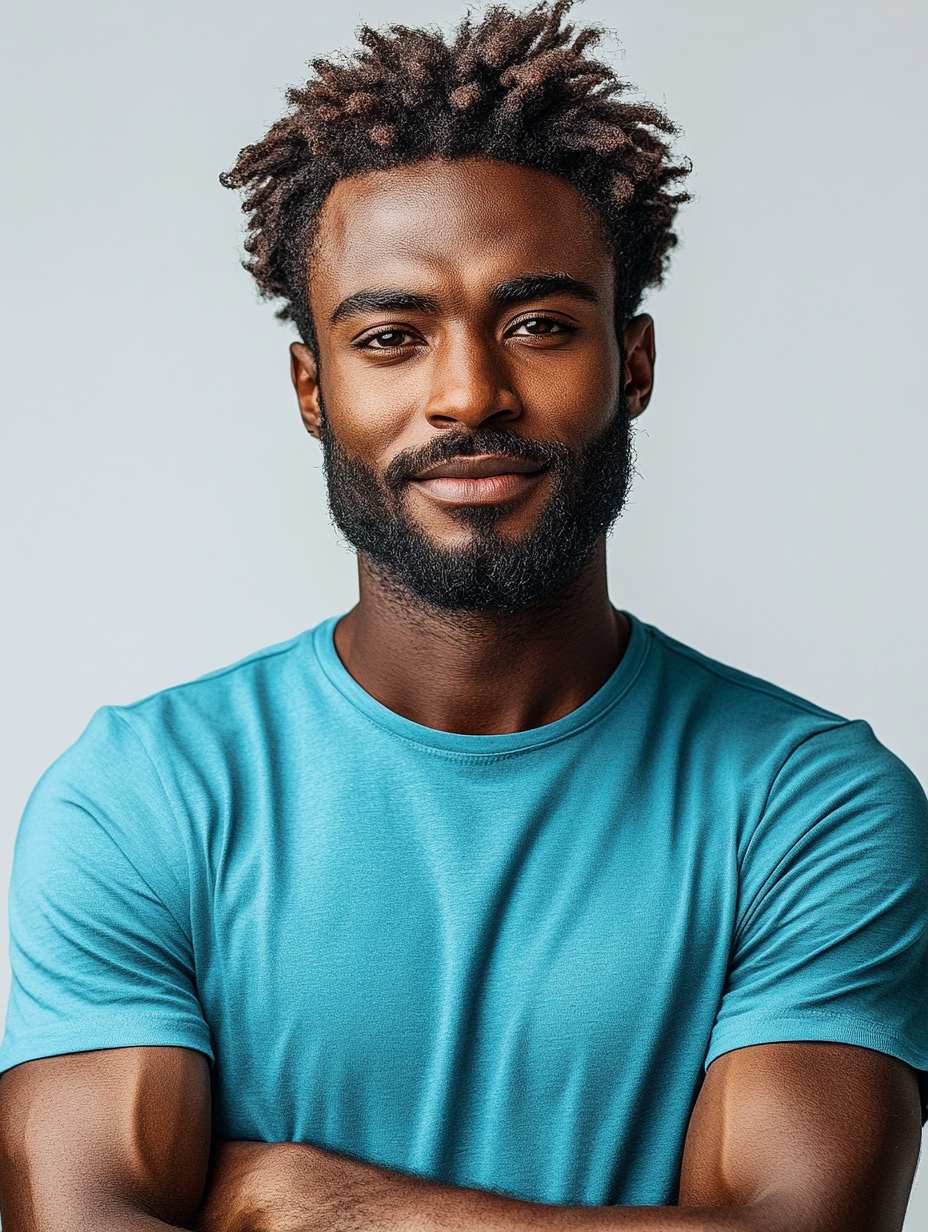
(784, 1137)
(546, 367)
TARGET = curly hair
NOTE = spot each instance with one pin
(514, 87)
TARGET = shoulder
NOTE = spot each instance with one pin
(177, 752)
(258, 679)
(802, 760)
(229, 714)
(734, 689)
(737, 712)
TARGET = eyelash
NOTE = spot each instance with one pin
(561, 328)
(403, 333)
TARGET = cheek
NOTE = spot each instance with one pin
(373, 414)
(577, 398)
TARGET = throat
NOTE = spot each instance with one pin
(483, 672)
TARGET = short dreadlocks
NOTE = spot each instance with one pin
(514, 87)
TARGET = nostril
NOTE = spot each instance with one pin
(472, 411)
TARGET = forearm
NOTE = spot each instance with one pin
(298, 1188)
(799, 1137)
(122, 1218)
(115, 1141)
(70, 1212)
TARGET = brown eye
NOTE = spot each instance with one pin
(388, 339)
(541, 327)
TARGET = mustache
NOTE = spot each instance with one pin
(455, 443)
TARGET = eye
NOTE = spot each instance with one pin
(388, 340)
(540, 327)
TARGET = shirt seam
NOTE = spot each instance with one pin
(489, 758)
(743, 917)
(271, 652)
(186, 930)
(102, 1016)
(850, 1020)
(186, 1029)
(744, 681)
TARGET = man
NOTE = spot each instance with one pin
(485, 906)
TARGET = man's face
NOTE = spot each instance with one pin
(475, 418)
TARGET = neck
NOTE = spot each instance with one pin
(483, 673)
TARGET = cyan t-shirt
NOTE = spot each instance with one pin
(500, 961)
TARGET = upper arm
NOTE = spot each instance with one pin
(831, 937)
(810, 1100)
(101, 926)
(104, 1105)
(118, 1137)
(827, 1132)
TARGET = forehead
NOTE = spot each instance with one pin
(468, 222)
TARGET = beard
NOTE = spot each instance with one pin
(492, 571)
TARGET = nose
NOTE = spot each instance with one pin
(470, 384)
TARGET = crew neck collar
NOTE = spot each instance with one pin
(593, 709)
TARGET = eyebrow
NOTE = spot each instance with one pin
(376, 300)
(515, 291)
(537, 286)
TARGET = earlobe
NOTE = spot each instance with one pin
(639, 363)
(304, 372)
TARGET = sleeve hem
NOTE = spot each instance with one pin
(818, 1028)
(138, 1030)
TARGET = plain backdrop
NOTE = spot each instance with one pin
(163, 508)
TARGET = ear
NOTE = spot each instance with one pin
(304, 372)
(639, 363)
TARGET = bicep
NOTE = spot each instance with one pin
(116, 1138)
(830, 1132)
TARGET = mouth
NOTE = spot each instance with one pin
(487, 479)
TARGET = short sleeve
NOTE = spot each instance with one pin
(100, 938)
(832, 938)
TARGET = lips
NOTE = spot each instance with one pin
(484, 480)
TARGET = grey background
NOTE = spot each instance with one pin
(163, 509)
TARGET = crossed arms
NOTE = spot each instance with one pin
(784, 1138)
